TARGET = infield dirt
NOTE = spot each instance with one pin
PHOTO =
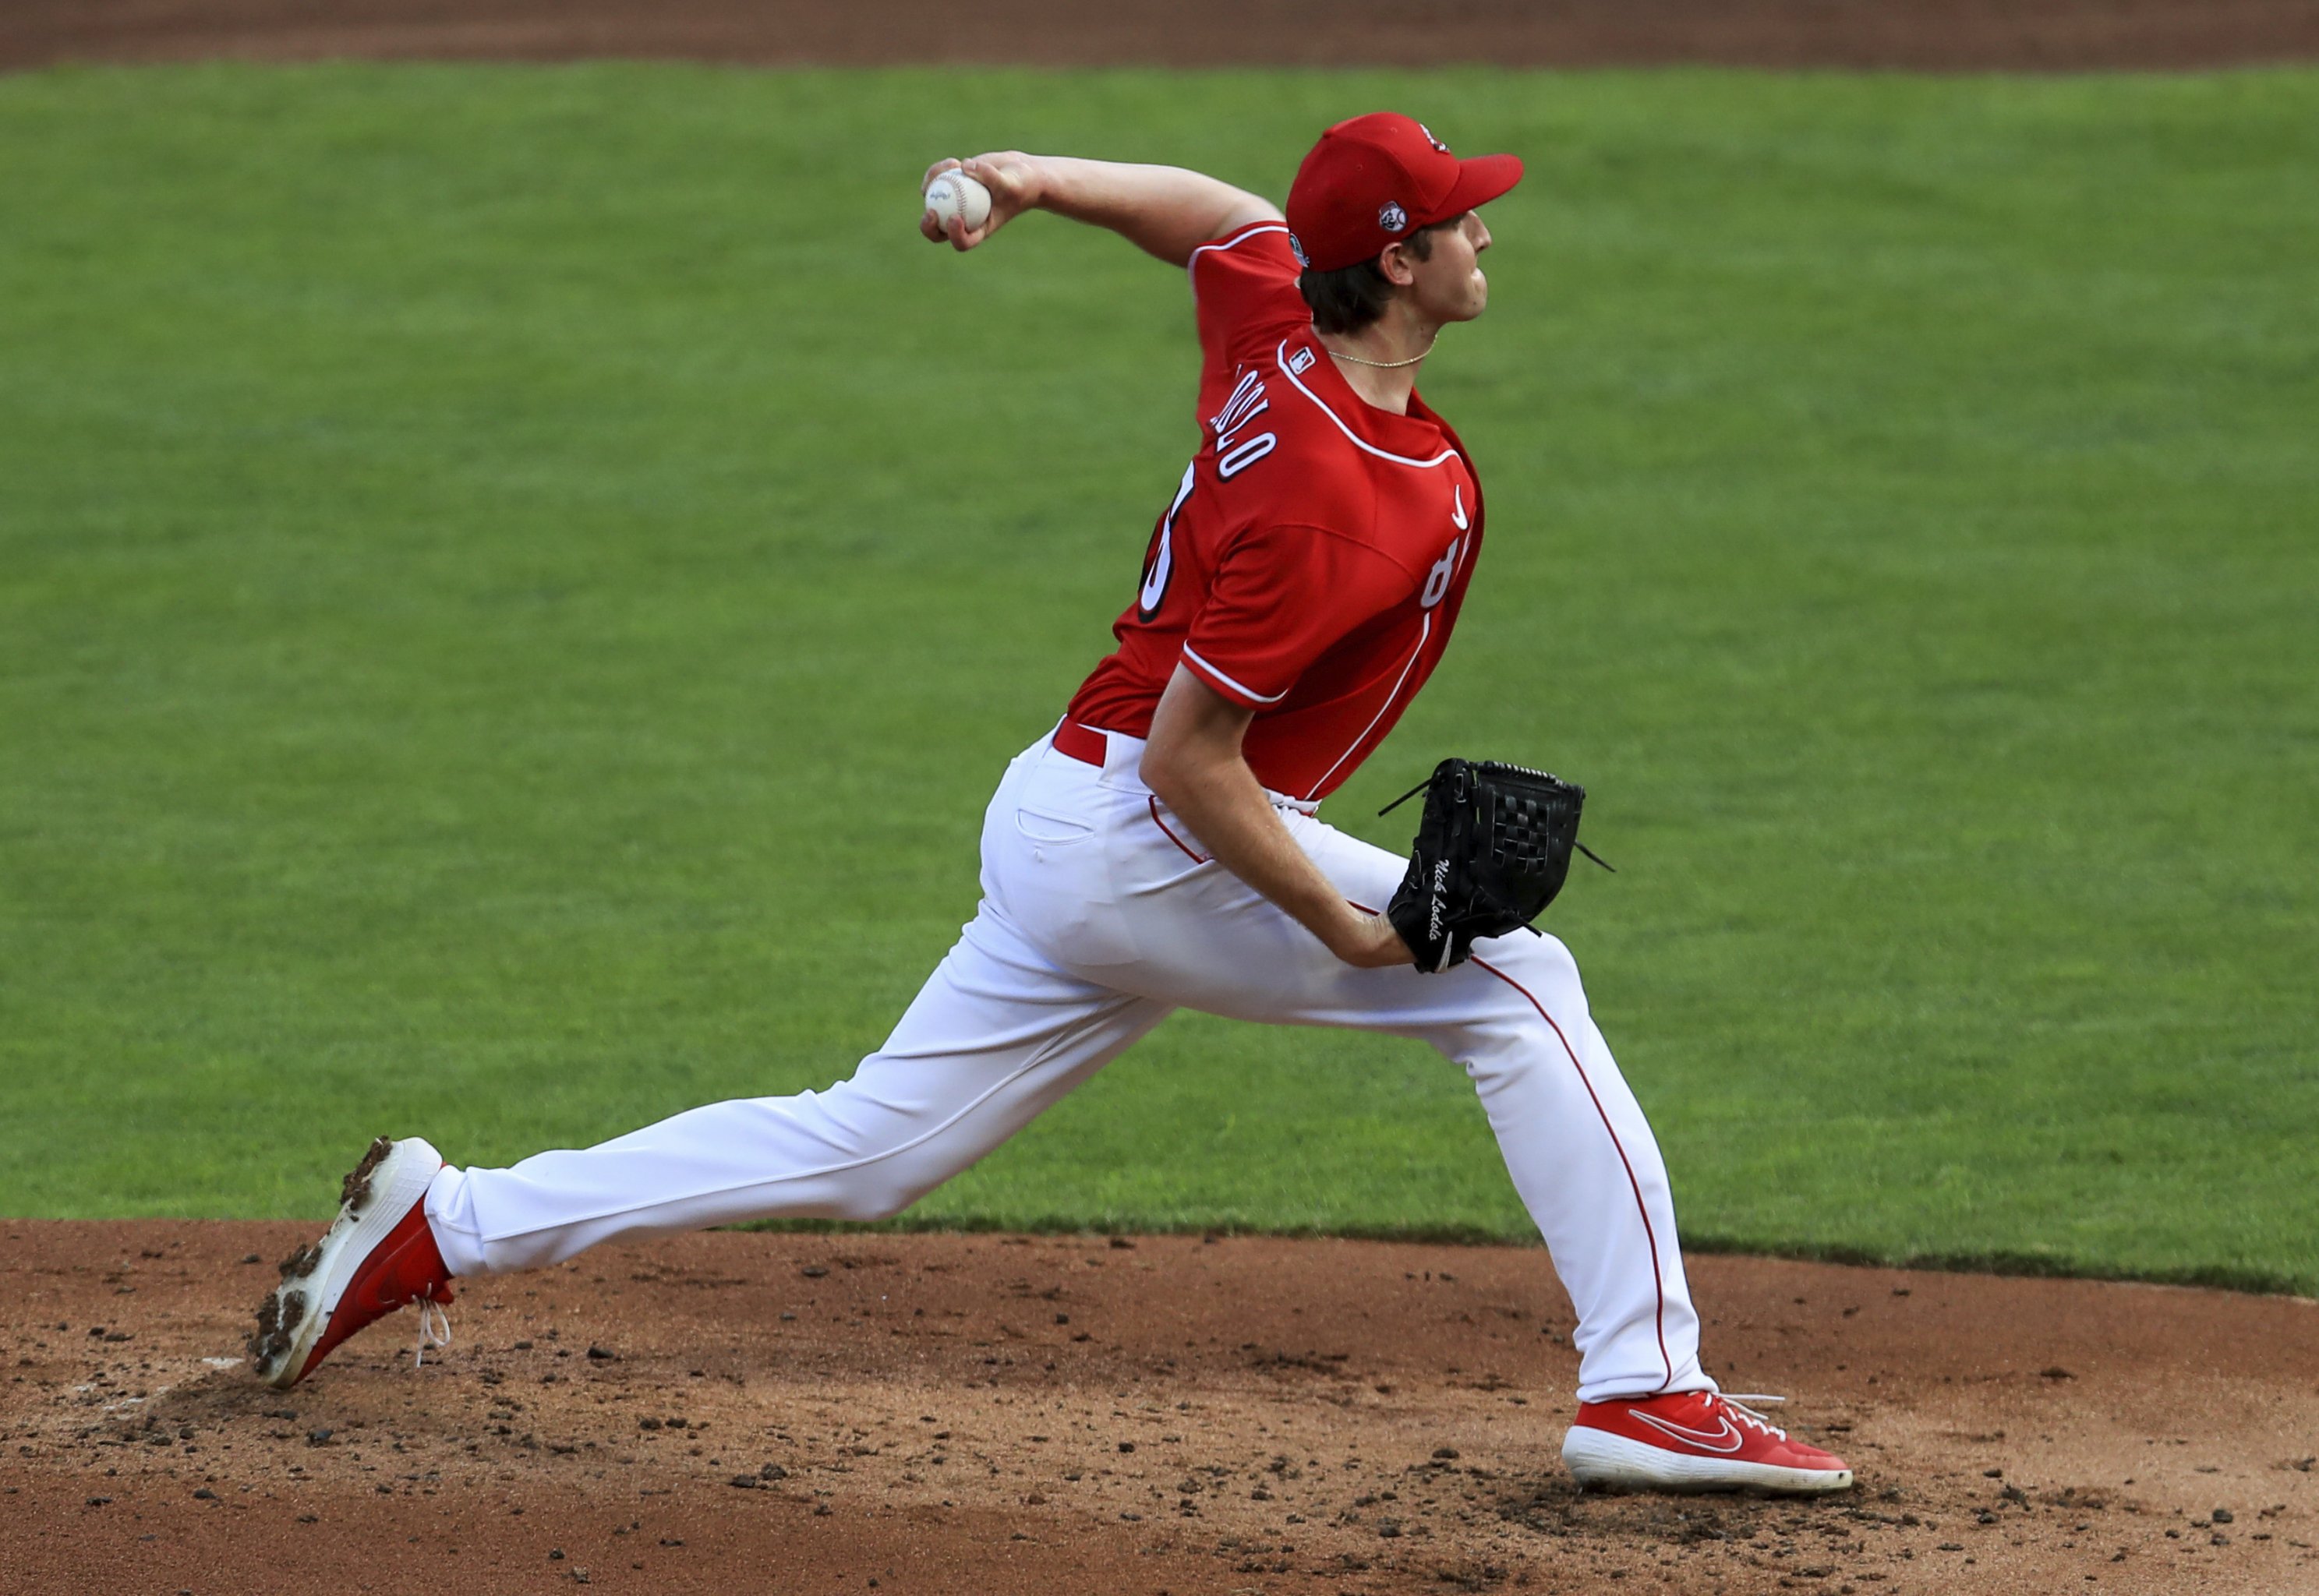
(1950, 35)
(1077, 1414)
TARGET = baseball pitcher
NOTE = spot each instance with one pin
(1162, 847)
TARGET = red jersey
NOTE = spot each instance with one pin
(1315, 557)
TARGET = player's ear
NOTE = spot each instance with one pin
(1398, 265)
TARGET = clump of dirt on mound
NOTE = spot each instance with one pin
(944, 1413)
(1981, 35)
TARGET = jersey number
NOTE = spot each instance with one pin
(1160, 564)
(1437, 581)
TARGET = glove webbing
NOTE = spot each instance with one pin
(1525, 770)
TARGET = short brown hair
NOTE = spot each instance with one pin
(1351, 297)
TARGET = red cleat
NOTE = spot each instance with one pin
(377, 1255)
(1695, 1440)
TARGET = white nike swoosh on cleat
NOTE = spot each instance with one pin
(1706, 1443)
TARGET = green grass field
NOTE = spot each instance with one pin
(515, 586)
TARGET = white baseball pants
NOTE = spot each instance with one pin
(1101, 913)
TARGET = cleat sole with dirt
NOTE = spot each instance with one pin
(375, 1194)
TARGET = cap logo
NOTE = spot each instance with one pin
(1430, 139)
(1296, 249)
(1392, 216)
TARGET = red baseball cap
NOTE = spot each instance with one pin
(1378, 178)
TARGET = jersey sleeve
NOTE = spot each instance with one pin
(1244, 285)
(1280, 599)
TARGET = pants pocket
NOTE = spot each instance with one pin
(1044, 828)
(1052, 874)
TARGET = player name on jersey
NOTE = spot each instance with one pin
(1313, 560)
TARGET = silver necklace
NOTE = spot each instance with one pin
(1386, 365)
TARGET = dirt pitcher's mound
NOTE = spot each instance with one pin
(2035, 35)
(1061, 1415)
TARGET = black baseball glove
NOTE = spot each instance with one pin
(1492, 851)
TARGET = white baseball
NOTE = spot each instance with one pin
(954, 194)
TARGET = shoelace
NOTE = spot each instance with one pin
(1736, 1403)
(434, 1330)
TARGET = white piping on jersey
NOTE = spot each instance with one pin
(1249, 692)
(1423, 631)
(1280, 360)
(1239, 238)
